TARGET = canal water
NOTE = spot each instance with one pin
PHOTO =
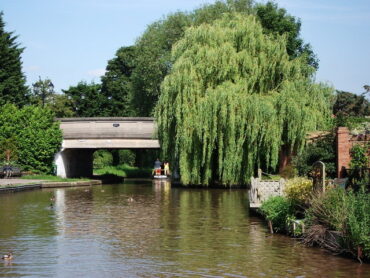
(145, 229)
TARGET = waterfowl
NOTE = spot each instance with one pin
(8, 256)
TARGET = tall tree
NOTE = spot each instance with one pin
(233, 98)
(277, 21)
(116, 83)
(87, 99)
(12, 80)
(41, 91)
(153, 59)
(349, 104)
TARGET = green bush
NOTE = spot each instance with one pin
(299, 189)
(102, 158)
(37, 136)
(278, 210)
(127, 157)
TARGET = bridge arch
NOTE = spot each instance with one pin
(82, 136)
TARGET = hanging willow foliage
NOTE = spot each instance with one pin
(233, 99)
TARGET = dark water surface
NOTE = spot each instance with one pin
(161, 232)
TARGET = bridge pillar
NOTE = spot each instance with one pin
(74, 163)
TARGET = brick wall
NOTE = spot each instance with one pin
(345, 142)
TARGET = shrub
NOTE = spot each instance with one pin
(359, 221)
(102, 158)
(127, 157)
(278, 210)
(299, 189)
(36, 134)
(340, 221)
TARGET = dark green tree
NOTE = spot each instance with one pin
(12, 80)
(87, 100)
(277, 21)
(61, 105)
(349, 104)
(41, 91)
(36, 135)
(116, 83)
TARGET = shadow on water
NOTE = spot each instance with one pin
(150, 229)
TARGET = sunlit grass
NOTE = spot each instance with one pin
(124, 171)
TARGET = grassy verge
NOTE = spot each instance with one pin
(51, 178)
(124, 171)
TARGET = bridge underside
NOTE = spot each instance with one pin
(76, 157)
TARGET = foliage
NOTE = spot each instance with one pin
(299, 189)
(12, 80)
(348, 104)
(61, 105)
(87, 99)
(41, 91)
(321, 149)
(127, 157)
(8, 150)
(153, 49)
(276, 21)
(359, 155)
(36, 134)
(124, 170)
(233, 98)
(278, 210)
(348, 214)
(102, 158)
(359, 221)
(116, 84)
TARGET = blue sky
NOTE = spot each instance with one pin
(71, 40)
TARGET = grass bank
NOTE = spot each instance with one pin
(125, 171)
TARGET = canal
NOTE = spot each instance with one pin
(145, 229)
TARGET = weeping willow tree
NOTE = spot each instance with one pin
(233, 99)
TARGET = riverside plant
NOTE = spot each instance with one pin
(340, 222)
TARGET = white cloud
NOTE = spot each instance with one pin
(96, 72)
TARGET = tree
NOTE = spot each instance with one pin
(87, 100)
(277, 21)
(153, 59)
(42, 90)
(233, 99)
(35, 136)
(349, 104)
(116, 83)
(61, 105)
(12, 80)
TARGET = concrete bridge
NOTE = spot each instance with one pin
(82, 136)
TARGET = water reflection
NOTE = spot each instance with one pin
(148, 229)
